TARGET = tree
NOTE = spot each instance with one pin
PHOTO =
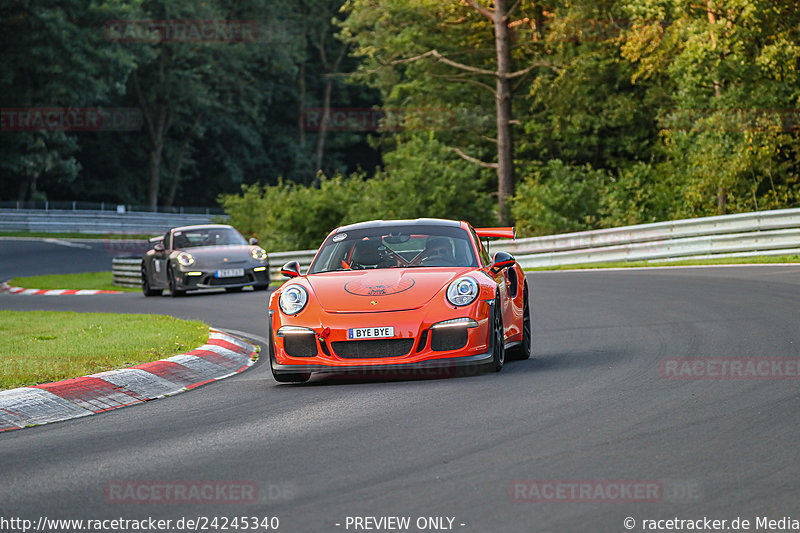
(393, 36)
(55, 57)
(729, 129)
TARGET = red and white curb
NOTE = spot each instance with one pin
(223, 356)
(5, 287)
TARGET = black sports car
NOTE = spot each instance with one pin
(203, 257)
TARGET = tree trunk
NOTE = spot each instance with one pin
(178, 163)
(157, 128)
(155, 168)
(323, 129)
(505, 144)
(326, 103)
(26, 187)
(301, 104)
(722, 195)
(157, 135)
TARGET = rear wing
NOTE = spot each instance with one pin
(503, 233)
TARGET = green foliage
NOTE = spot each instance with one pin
(421, 179)
(558, 198)
(288, 216)
(225, 113)
(628, 111)
(730, 129)
(54, 55)
(639, 194)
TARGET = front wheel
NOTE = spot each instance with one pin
(524, 350)
(173, 284)
(146, 289)
(498, 349)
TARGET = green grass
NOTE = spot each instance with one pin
(74, 235)
(84, 280)
(44, 346)
(689, 262)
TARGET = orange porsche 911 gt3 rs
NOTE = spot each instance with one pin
(401, 295)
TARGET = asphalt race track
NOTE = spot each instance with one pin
(592, 407)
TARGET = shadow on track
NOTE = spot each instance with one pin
(537, 364)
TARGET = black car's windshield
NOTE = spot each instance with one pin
(396, 247)
(206, 237)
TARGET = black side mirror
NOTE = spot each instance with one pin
(501, 260)
(253, 241)
(291, 269)
(159, 248)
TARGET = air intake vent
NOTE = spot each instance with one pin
(300, 344)
(372, 348)
(450, 338)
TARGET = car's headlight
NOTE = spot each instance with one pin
(185, 259)
(462, 291)
(293, 299)
(259, 254)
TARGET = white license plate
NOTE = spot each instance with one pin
(230, 273)
(370, 333)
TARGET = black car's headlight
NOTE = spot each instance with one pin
(258, 254)
(185, 259)
(293, 299)
(463, 291)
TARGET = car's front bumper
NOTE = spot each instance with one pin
(430, 367)
(421, 358)
(206, 279)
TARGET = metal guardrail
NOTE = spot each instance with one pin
(127, 271)
(76, 205)
(747, 234)
(759, 233)
(86, 221)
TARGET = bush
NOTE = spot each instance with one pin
(288, 216)
(558, 198)
(638, 195)
(422, 178)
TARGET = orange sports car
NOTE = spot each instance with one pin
(403, 295)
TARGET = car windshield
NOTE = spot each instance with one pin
(206, 237)
(395, 247)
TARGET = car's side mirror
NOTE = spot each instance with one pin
(291, 269)
(501, 260)
(159, 248)
(253, 241)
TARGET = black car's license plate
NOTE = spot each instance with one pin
(230, 273)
